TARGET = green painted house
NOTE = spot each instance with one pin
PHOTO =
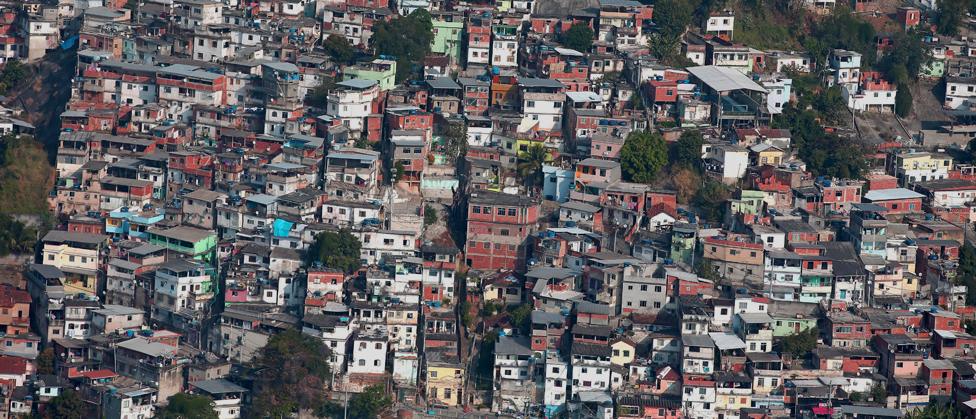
(934, 69)
(191, 241)
(448, 31)
(683, 236)
(790, 317)
(383, 72)
(749, 202)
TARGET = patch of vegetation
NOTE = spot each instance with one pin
(13, 74)
(711, 200)
(337, 250)
(291, 375)
(578, 37)
(188, 406)
(407, 38)
(339, 48)
(643, 156)
(25, 176)
(430, 215)
(801, 344)
(15, 237)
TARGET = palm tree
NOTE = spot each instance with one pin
(530, 164)
(935, 411)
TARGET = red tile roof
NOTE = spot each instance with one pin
(11, 365)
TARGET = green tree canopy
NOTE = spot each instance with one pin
(407, 38)
(906, 58)
(903, 100)
(950, 15)
(879, 393)
(687, 150)
(825, 154)
(188, 406)
(671, 18)
(530, 164)
(966, 272)
(368, 404)
(430, 215)
(578, 37)
(14, 73)
(319, 96)
(337, 250)
(45, 361)
(643, 155)
(712, 200)
(521, 317)
(68, 405)
(339, 48)
(844, 30)
(935, 411)
(15, 237)
(801, 344)
(292, 373)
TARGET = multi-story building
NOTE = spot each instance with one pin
(498, 226)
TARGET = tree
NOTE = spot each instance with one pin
(966, 271)
(903, 101)
(530, 164)
(339, 48)
(578, 37)
(711, 200)
(642, 156)
(188, 406)
(398, 171)
(906, 58)
(368, 404)
(521, 317)
(291, 373)
(338, 250)
(45, 361)
(406, 38)
(879, 393)
(826, 154)
(935, 411)
(671, 18)
(455, 139)
(687, 150)
(466, 317)
(15, 237)
(705, 269)
(802, 343)
(430, 215)
(842, 29)
(950, 16)
(319, 96)
(68, 405)
(13, 74)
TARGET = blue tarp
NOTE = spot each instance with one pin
(280, 228)
(69, 43)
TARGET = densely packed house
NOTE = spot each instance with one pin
(509, 260)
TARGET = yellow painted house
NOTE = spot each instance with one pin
(922, 166)
(445, 377)
(622, 352)
(76, 254)
(762, 154)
